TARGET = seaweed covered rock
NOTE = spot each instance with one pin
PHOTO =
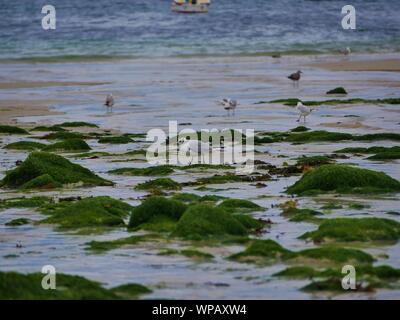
(157, 212)
(4, 129)
(300, 129)
(346, 179)
(75, 124)
(162, 170)
(45, 181)
(313, 161)
(385, 156)
(159, 184)
(203, 221)
(59, 169)
(25, 145)
(239, 204)
(68, 145)
(17, 286)
(318, 136)
(116, 140)
(355, 229)
(338, 90)
(88, 212)
(63, 135)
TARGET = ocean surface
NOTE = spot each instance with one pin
(104, 29)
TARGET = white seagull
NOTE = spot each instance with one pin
(229, 105)
(303, 110)
(109, 101)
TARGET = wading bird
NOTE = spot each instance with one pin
(295, 77)
(303, 110)
(346, 51)
(229, 105)
(109, 101)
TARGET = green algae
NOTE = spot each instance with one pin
(88, 212)
(149, 171)
(159, 184)
(318, 136)
(355, 229)
(385, 156)
(58, 168)
(44, 182)
(230, 177)
(25, 145)
(32, 202)
(338, 90)
(16, 286)
(300, 129)
(68, 145)
(343, 179)
(239, 204)
(203, 221)
(299, 215)
(194, 198)
(313, 161)
(4, 129)
(370, 150)
(378, 136)
(63, 135)
(269, 251)
(17, 222)
(189, 253)
(115, 140)
(75, 124)
(53, 128)
(157, 213)
(103, 246)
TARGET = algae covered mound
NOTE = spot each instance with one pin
(341, 178)
(355, 229)
(60, 170)
(157, 211)
(205, 221)
(12, 130)
(318, 136)
(159, 184)
(68, 145)
(88, 212)
(25, 145)
(116, 140)
(239, 204)
(17, 286)
(338, 90)
(149, 171)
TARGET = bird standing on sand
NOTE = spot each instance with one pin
(229, 105)
(295, 77)
(346, 51)
(109, 101)
(303, 110)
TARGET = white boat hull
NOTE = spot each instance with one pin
(190, 8)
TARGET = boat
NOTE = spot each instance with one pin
(190, 6)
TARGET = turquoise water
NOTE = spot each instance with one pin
(106, 29)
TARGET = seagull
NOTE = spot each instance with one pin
(229, 105)
(303, 110)
(109, 101)
(295, 77)
(346, 51)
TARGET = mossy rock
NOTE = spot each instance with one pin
(230, 178)
(25, 145)
(63, 135)
(45, 181)
(12, 130)
(103, 246)
(269, 251)
(17, 286)
(155, 210)
(32, 202)
(318, 136)
(88, 212)
(378, 136)
(68, 145)
(300, 129)
(75, 124)
(190, 253)
(355, 229)
(160, 184)
(239, 204)
(191, 198)
(115, 140)
(385, 156)
(54, 128)
(130, 291)
(61, 170)
(300, 215)
(344, 179)
(369, 150)
(313, 161)
(149, 171)
(17, 222)
(338, 90)
(203, 221)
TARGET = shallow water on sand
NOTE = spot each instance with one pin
(148, 95)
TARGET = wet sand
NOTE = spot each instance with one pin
(389, 65)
